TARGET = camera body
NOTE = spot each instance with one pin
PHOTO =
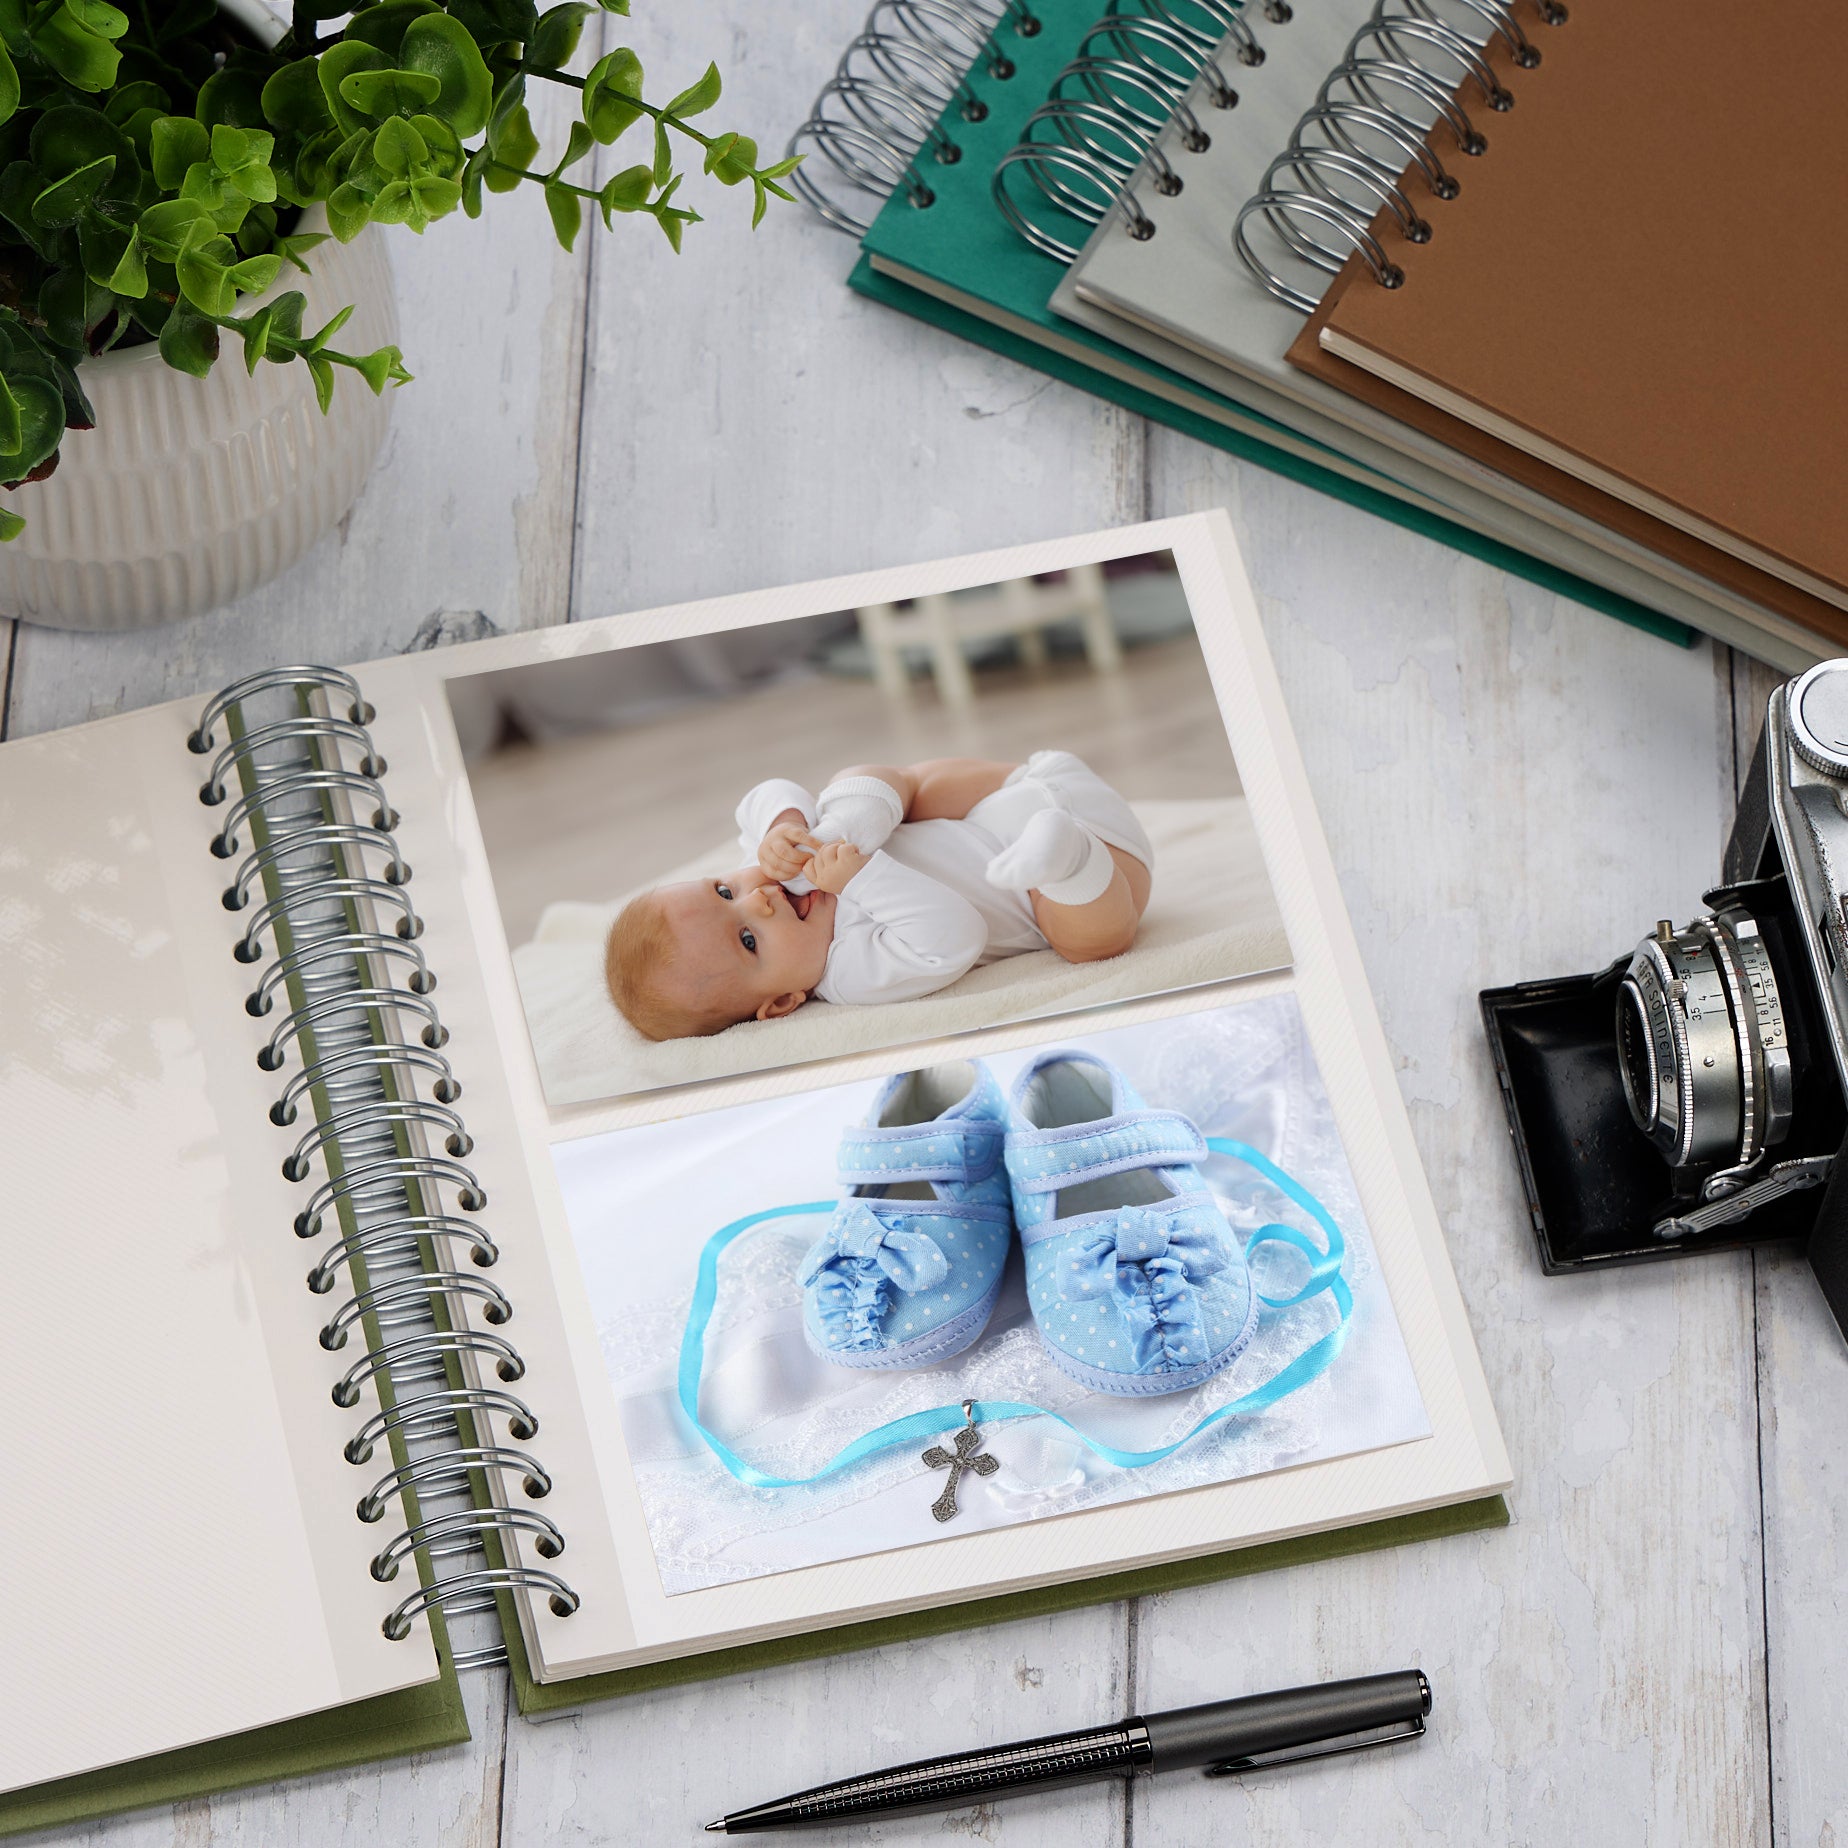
(1691, 1096)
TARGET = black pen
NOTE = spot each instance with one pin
(1220, 1738)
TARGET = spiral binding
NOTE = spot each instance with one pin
(1101, 122)
(323, 880)
(1407, 94)
(874, 129)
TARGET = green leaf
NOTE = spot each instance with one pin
(517, 146)
(384, 25)
(321, 370)
(11, 525)
(128, 102)
(626, 191)
(189, 342)
(700, 97)
(610, 91)
(385, 367)
(291, 247)
(9, 85)
(440, 48)
(377, 94)
(131, 274)
(205, 276)
(663, 155)
(731, 158)
(98, 16)
(474, 174)
(177, 143)
(256, 331)
(334, 66)
(398, 147)
(10, 419)
(61, 203)
(556, 36)
(243, 155)
(293, 101)
(320, 340)
(255, 274)
(782, 167)
(567, 211)
(167, 228)
(34, 427)
(86, 60)
(234, 96)
(348, 212)
(577, 144)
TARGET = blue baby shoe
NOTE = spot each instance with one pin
(911, 1265)
(1137, 1283)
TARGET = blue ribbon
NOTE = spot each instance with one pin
(915, 1427)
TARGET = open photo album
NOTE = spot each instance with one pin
(720, 1133)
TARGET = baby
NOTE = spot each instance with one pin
(891, 884)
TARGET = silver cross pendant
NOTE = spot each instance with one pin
(966, 1457)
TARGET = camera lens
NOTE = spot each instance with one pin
(1701, 1044)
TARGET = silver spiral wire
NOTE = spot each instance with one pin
(386, 1142)
(1130, 81)
(1411, 90)
(877, 126)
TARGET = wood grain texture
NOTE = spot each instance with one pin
(1513, 786)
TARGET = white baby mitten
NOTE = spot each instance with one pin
(862, 810)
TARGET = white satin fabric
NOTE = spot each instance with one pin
(642, 1202)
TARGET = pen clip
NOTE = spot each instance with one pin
(1264, 1761)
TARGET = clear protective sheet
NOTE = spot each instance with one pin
(642, 1203)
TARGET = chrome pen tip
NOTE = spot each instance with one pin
(716, 1828)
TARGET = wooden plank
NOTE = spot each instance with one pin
(749, 421)
(661, 1766)
(1803, 1480)
(465, 526)
(1513, 787)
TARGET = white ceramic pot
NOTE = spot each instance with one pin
(190, 492)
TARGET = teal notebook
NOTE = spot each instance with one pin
(957, 263)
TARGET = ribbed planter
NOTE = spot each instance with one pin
(190, 492)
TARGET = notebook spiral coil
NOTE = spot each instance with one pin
(1133, 75)
(380, 1148)
(1416, 79)
(874, 128)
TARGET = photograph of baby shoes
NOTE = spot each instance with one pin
(909, 1269)
(1137, 1282)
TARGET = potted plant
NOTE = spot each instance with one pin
(188, 183)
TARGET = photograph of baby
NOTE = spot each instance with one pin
(769, 845)
(1137, 1257)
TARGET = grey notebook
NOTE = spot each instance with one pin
(1183, 298)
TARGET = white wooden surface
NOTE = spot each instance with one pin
(1657, 1650)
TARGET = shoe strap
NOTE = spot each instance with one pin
(945, 1150)
(1046, 1160)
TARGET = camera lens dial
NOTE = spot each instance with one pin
(1818, 715)
(1702, 1045)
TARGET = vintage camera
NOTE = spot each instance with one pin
(1691, 1096)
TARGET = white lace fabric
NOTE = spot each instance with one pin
(1244, 1072)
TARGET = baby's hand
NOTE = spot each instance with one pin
(785, 850)
(833, 865)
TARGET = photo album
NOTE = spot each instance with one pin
(723, 1133)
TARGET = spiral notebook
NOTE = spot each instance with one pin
(1111, 145)
(1713, 400)
(331, 1319)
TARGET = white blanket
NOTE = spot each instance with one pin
(1212, 915)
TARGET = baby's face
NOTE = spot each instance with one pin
(744, 940)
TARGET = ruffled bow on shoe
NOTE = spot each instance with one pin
(1150, 1262)
(850, 1271)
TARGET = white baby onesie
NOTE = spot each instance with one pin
(921, 912)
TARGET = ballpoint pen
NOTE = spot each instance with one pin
(1223, 1737)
